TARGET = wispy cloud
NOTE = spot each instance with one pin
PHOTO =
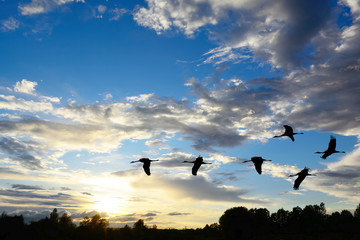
(43, 6)
(10, 24)
(178, 214)
(21, 152)
(196, 188)
(340, 178)
(117, 13)
(26, 187)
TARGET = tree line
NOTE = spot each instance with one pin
(310, 222)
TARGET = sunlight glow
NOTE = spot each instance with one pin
(109, 204)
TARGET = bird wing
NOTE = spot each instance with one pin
(332, 143)
(326, 154)
(258, 166)
(146, 167)
(195, 168)
(288, 129)
(291, 137)
(298, 180)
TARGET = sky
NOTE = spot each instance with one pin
(86, 87)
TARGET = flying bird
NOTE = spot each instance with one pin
(197, 163)
(331, 148)
(258, 161)
(288, 132)
(301, 176)
(146, 164)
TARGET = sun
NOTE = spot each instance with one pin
(108, 204)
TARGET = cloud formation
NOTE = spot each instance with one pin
(42, 6)
(197, 188)
(21, 152)
(340, 179)
(10, 24)
(282, 33)
(25, 86)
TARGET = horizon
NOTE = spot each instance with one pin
(88, 87)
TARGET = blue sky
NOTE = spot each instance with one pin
(87, 87)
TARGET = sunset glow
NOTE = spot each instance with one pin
(88, 87)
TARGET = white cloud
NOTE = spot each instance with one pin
(25, 86)
(99, 11)
(340, 179)
(275, 32)
(108, 96)
(19, 104)
(10, 24)
(43, 6)
(117, 13)
(354, 7)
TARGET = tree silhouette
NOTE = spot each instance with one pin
(281, 217)
(93, 228)
(310, 222)
(54, 216)
(12, 227)
(139, 225)
(357, 212)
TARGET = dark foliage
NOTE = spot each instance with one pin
(311, 222)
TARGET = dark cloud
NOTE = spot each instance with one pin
(149, 215)
(279, 32)
(226, 176)
(26, 187)
(31, 194)
(86, 193)
(304, 21)
(175, 159)
(90, 214)
(196, 188)
(123, 173)
(4, 171)
(178, 214)
(34, 214)
(125, 218)
(21, 152)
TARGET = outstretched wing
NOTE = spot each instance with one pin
(258, 166)
(332, 143)
(146, 167)
(291, 137)
(298, 180)
(326, 154)
(195, 168)
(288, 129)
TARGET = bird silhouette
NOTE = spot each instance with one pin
(301, 176)
(288, 132)
(258, 161)
(331, 148)
(197, 163)
(146, 164)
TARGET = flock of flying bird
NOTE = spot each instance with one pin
(258, 161)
